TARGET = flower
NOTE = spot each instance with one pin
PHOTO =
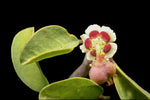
(98, 41)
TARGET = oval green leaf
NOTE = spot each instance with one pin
(48, 42)
(30, 74)
(73, 88)
(127, 88)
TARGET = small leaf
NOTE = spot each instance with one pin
(73, 88)
(30, 74)
(127, 88)
(48, 42)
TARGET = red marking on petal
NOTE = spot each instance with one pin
(88, 43)
(93, 34)
(107, 48)
(105, 36)
(93, 53)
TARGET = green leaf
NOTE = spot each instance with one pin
(48, 42)
(127, 88)
(30, 74)
(73, 88)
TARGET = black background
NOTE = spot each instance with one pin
(130, 23)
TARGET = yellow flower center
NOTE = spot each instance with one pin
(98, 44)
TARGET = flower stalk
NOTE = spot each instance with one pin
(83, 69)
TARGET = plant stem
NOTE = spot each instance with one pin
(82, 70)
(80, 41)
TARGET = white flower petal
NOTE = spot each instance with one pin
(112, 51)
(110, 32)
(83, 49)
(84, 37)
(92, 28)
(90, 57)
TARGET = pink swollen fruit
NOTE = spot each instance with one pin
(101, 71)
(98, 75)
